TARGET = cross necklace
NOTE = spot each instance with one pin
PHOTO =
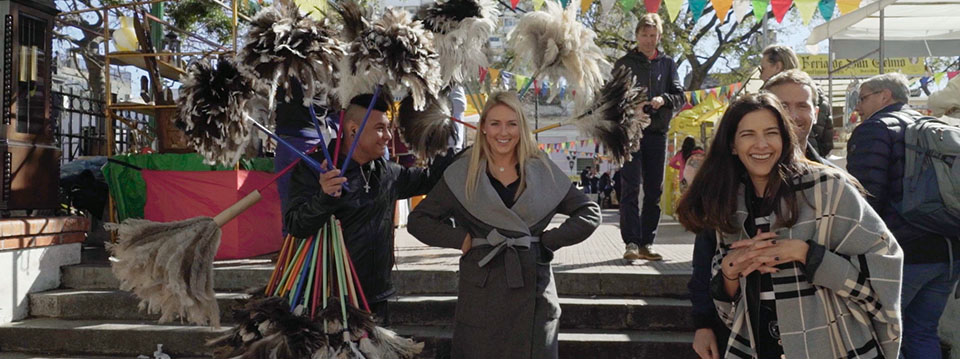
(366, 180)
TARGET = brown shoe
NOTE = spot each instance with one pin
(632, 253)
(646, 252)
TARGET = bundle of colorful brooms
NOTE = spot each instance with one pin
(311, 308)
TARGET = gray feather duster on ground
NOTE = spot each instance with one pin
(171, 277)
(460, 30)
(615, 118)
(211, 110)
(426, 132)
(557, 45)
(393, 51)
(284, 43)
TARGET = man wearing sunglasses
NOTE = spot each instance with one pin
(875, 156)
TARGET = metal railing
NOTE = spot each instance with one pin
(80, 130)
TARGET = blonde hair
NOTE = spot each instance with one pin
(650, 19)
(781, 54)
(526, 149)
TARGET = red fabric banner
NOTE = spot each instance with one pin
(178, 195)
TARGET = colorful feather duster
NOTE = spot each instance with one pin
(615, 118)
(426, 132)
(560, 46)
(284, 43)
(460, 30)
(393, 51)
(171, 277)
(212, 102)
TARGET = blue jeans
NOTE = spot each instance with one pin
(926, 289)
(639, 225)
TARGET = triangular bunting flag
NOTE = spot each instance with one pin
(760, 8)
(696, 8)
(483, 73)
(537, 4)
(722, 7)
(806, 8)
(521, 81)
(847, 6)
(780, 8)
(585, 6)
(628, 4)
(952, 74)
(686, 94)
(494, 76)
(673, 8)
(724, 91)
(652, 5)
(741, 8)
(564, 3)
(826, 8)
(513, 4)
(938, 76)
(605, 5)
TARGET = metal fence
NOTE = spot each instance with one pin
(80, 129)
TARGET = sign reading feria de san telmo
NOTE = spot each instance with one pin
(816, 66)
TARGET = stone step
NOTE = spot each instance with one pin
(235, 278)
(120, 338)
(651, 314)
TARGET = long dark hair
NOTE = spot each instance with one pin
(686, 149)
(711, 200)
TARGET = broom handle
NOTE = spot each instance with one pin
(550, 127)
(353, 146)
(323, 142)
(470, 126)
(336, 151)
(310, 161)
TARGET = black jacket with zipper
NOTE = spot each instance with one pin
(660, 77)
(366, 218)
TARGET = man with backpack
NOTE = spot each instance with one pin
(883, 153)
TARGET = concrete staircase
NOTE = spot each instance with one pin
(605, 315)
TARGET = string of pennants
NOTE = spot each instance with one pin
(724, 93)
(741, 8)
(936, 78)
(568, 147)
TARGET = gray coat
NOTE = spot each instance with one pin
(508, 307)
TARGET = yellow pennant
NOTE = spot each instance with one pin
(537, 4)
(807, 8)
(673, 8)
(846, 6)
(585, 6)
(521, 81)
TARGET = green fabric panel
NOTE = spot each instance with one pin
(129, 190)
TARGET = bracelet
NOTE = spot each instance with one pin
(734, 279)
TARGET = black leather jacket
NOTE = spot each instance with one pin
(366, 218)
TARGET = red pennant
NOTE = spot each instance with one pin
(513, 4)
(652, 5)
(483, 73)
(780, 8)
(952, 74)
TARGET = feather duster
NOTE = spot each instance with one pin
(460, 30)
(211, 108)
(426, 132)
(363, 338)
(284, 43)
(560, 46)
(614, 118)
(171, 277)
(267, 329)
(392, 51)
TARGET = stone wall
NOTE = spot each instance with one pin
(31, 270)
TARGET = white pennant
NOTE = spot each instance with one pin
(742, 8)
(606, 5)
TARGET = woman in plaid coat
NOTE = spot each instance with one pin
(805, 267)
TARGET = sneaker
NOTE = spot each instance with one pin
(632, 252)
(646, 252)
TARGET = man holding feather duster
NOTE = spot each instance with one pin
(658, 73)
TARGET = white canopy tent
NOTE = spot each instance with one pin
(908, 28)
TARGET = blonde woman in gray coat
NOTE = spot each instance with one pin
(502, 194)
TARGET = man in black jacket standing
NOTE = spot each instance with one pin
(658, 73)
(366, 211)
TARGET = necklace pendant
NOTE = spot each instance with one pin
(366, 188)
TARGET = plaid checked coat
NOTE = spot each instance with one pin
(849, 307)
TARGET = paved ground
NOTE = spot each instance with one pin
(602, 252)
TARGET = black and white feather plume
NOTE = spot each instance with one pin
(284, 43)
(460, 30)
(615, 118)
(212, 103)
(557, 45)
(393, 51)
(426, 132)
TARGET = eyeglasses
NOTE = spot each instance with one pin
(864, 97)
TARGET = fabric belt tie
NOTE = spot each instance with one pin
(511, 261)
